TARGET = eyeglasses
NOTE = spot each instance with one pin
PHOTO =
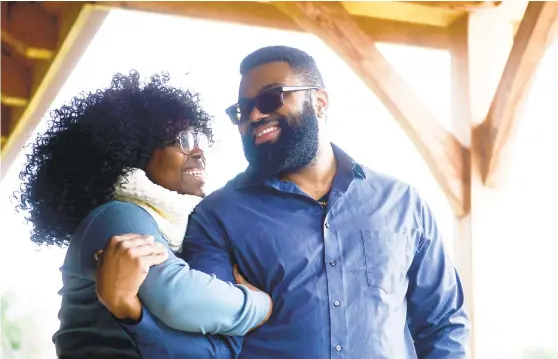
(266, 102)
(189, 140)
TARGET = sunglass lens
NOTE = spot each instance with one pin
(269, 101)
(234, 114)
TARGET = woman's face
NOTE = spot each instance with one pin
(178, 170)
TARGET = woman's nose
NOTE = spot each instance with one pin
(197, 152)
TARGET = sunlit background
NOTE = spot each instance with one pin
(517, 291)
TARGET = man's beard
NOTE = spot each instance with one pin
(295, 148)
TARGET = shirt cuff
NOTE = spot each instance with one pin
(130, 322)
(149, 336)
(146, 325)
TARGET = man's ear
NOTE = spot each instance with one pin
(322, 102)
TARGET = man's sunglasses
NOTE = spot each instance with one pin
(266, 102)
(188, 140)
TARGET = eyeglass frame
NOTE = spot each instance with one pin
(195, 135)
(280, 89)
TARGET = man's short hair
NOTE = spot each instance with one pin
(299, 61)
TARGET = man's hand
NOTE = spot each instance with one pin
(241, 280)
(121, 269)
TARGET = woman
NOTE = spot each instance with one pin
(127, 159)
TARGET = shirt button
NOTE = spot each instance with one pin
(336, 303)
(327, 225)
(338, 347)
(332, 263)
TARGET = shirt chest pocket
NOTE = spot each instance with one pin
(387, 256)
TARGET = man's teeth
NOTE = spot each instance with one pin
(195, 173)
(267, 130)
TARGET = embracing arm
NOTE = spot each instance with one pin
(205, 247)
(191, 300)
(179, 296)
(438, 321)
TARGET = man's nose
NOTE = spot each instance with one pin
(256, 116)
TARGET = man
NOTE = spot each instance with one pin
(352, 259)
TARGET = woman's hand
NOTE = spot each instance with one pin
(121, 269)
(241, 280)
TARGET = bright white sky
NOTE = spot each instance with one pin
(205, 56)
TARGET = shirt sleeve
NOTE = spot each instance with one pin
(207, 248)
(182, 298)
(437, 317)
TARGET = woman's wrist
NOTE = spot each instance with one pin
(128, 309)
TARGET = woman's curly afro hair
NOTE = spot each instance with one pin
(95, 138)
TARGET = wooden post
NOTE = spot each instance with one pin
(481, 43)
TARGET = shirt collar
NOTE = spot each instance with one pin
(345, 163)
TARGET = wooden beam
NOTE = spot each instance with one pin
(459, 5)
(29, 52)
(29, 29)
(461, 127)
(481, 45)
(267, 15)
(5, 121)
(15, 82)
(85, 24)
(442, 152)
(53, 7)
(407, 12)
(498, 131)
(404, 33)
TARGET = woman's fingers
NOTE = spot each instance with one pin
(156, 258)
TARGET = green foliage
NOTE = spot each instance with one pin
(11, 331)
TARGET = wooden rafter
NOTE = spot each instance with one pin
(15, 82)
(407, 12)
(442, 152)
(267, 15)
(29, 30)
(77, 24)
(460, 5)
(5, 124)
(536, 30)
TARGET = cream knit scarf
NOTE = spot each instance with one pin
(169, 208)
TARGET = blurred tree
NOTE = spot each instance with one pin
(11, 331)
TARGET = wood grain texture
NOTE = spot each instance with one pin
(536, 31)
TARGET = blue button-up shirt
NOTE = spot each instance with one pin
(368, 277)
